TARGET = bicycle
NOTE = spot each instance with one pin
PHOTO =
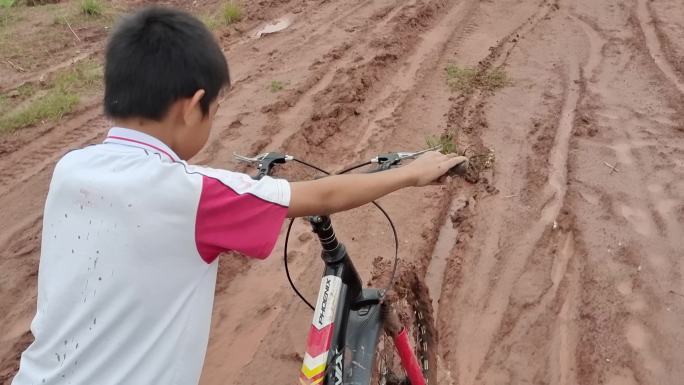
(345, 345)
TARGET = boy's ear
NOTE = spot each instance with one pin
(192, 109)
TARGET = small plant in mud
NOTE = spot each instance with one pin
(232, 13)
(91, 7)
(210, 20)
(276, 86)
(478, 161)
(467, 79)
(445, 142)
(5, 16)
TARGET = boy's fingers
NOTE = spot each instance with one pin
(456, 160)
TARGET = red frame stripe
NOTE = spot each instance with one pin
(319, 341)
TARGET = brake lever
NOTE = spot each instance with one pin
(247, 159)
(409, 155)
(264, 162)
(386, 161)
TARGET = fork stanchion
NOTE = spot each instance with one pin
(408, 359)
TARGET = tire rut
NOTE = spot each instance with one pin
(654, 44)
(42, 152)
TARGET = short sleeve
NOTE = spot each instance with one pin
(238, 213)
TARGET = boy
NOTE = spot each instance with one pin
(131, 232)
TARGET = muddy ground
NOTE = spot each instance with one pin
(562, 265)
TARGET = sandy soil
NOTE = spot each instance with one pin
(553, 269)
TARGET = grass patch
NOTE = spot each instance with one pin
(84, 76)
(26, 90)
(276, 86)
(478, 161)
(6, 14)
(57, 98)
(15, 97)
(466, 80)
(91, 7)
(445, 141)
(52, 106)
(210, 21)
(231, 13)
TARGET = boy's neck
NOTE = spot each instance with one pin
(159, 130)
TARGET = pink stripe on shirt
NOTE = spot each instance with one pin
(227, 221)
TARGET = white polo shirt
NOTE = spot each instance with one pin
(128, 261)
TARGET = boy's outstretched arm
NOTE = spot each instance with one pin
(342, 192)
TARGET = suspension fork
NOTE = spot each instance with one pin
(394, 328)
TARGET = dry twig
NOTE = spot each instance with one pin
(71, 29)
(15, 66)
(613, 168)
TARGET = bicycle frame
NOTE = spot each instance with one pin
(347, 318)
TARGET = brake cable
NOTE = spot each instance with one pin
(394, 233)
(354, 167)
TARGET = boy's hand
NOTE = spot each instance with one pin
(343, 192)
(432, 165)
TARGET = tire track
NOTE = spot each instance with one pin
(475, 352)
(293, 118)
(338, 107)
(425, 55)
(36, 156)
(284, 117)
(653, 43)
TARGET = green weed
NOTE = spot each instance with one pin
(210, 20)
(6, 16)
(49, 107)
(466, 80)
(91, 7)
(276, 86)
(445, 141)
(232, 13)
(85, 75)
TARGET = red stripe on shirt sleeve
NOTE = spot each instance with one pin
(230, 221)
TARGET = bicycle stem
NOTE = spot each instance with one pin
(333, 250)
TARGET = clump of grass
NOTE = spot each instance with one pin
(466, 79)
(26, 90)
(49, 107)
(210, 20)
(85, 75)
(232, 13)
(478, 161)
(91, 7)
(276, 86)
(60, 96)
(5, 16)
(445, 141)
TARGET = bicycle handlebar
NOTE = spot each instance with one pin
(266, 161)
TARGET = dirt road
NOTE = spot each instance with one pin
(561, 266)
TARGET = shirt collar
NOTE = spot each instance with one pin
(128, 137)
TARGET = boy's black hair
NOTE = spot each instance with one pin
(155, 57)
